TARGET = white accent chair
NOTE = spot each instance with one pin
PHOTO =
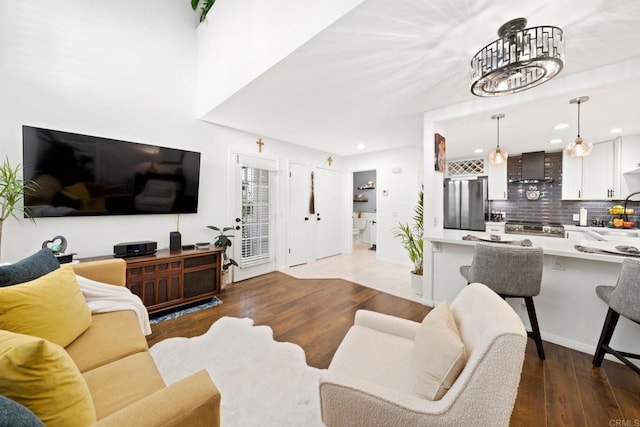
(371, 379)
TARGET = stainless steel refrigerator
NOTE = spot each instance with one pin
(465, 203)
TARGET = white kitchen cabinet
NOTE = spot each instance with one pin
(595, 177)
(601, 172)
(571, 177)
(498, 185)
(630, 165)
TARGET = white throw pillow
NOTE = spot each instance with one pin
(440, 354)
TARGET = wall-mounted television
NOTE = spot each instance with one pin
(77, 175)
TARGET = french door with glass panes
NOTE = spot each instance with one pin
(254, 219)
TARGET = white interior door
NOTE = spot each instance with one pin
(327, 188)
(301, 223)
(255, 207)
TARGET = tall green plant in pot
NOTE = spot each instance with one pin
(12, 189)
(410, 236)
(223, 241)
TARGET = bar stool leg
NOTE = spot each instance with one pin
(605, 337)
(531, 309)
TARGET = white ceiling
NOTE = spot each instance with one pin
(370, 77)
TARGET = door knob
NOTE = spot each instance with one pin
(237, 227)
(318, 218)
(306, 218)
(238, 220)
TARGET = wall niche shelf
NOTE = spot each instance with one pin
(369, 185)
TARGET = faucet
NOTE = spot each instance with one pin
(626, 217)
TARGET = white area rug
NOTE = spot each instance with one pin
(262, 382)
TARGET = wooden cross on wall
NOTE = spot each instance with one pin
(260, 144)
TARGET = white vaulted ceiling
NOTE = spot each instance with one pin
(370, 77)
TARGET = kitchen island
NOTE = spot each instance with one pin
(569, 312)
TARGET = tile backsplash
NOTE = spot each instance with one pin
(549, 207)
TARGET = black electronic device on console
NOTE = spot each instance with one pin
(175, 241)
(128, 249)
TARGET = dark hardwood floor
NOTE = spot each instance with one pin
(564, 390)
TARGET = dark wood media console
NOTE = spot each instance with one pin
(170, 279)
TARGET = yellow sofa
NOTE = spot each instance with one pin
(123, 381)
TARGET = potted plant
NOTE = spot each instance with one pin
(12, 189)
(410, 236)
(223, 241)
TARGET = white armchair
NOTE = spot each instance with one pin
(372, 381)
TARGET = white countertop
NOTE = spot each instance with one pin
(568, 309)
(551, 245)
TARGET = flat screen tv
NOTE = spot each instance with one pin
(77, 175)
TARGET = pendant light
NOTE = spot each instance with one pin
(579, 147)
(498, 156)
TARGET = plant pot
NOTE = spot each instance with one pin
(226, 278)
(416, 284)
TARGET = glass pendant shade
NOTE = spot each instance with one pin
(579, 147)
(498, 156)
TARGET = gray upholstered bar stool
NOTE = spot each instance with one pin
(622, 299)
(511, 272)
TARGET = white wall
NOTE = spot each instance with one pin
(433, 206)
(116, 69)
(402, 194)
(225, 142)
(242, 39)
(123, 70)
(631, 162)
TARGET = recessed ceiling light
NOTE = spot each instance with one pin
(555, 141)
(616, 130)
(478, 150)
(561, 126)
(360, 146)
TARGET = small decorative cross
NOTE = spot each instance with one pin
(260, 144)
(329, 160)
